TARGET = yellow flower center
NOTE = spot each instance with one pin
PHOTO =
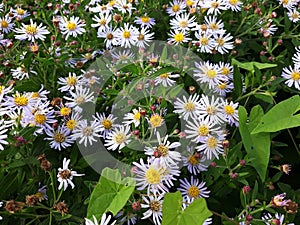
(109, 36)
(164, 76)
(155, 205)
(71, 124)
(111, 3)
(215, 5)
(225, 71)
(295, 15)
(65, 111)
(88, 131)
(71, 81)
(183, 23)
(20, 11)
(31, 30)
(21, 100)
(189, 3)
(192, 160)
(141, 37)
(212, 142)
(295, 76)
(233, 2)
(211, 110)
(145, 19)
(137, 116)
(58, 137)
(71, 26)
(40, 118)
(220, 41)
(176, 8)
(156, 121)
(102, 22)
(204, 41)
(153, 176)
(107, 124)
(4, 24)
(193, 191)
(190, 106)
(1, 88)
(222, 86)
(211, 74)
(79, 100)
(120, 138)
(203, 130)
(179, 37)
(214, 26)
(126, 34)
(284, 2)
(35, 95)
(229, 109)
(163, 150)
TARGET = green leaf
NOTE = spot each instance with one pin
(256, 145)
(238, 82)
(110, 194)
(196, 213)
(280, 117)
(250, 65)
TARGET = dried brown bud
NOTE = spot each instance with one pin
(61, 207)
(118, 18)
(56, 101)
(31, 200)
(12, 206)
(291, 207)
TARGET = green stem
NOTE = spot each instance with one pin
(53, 187)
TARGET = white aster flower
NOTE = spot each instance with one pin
(193, 190)
(21, 72)
(20, 13)
(127, 35)
(292, 75)
(234, 5)
(72, 26)
(124, 6)
(144, 37)
(79, 97)
(110, 36)
(178, 37)
(32, 32)
(183, 22)
(162, 153)
(278, 219)
(213, 25)
(176, 7)
(65, 175)
(106, 123)
(145, 21)
(208, 73)
(59, 138)
(154, 206)
(118, 138)
(211, 109)
(70, 82)
(133, 117)
(164, 79)
(205, 42)
(194, 162)
(105, 220)
(231, 112)
(187, 108)
(293, 15)
(102, 21)
(214, 7)
(86, 133)
(211, 146)
(199, 129)
(150, 176)
(288, 4)
(5, 24)
(224, 43)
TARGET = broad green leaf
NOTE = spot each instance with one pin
(238, 82)
(281, 116)
(256, 145)
(250, 65)
(196, 213)
(110, 194)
